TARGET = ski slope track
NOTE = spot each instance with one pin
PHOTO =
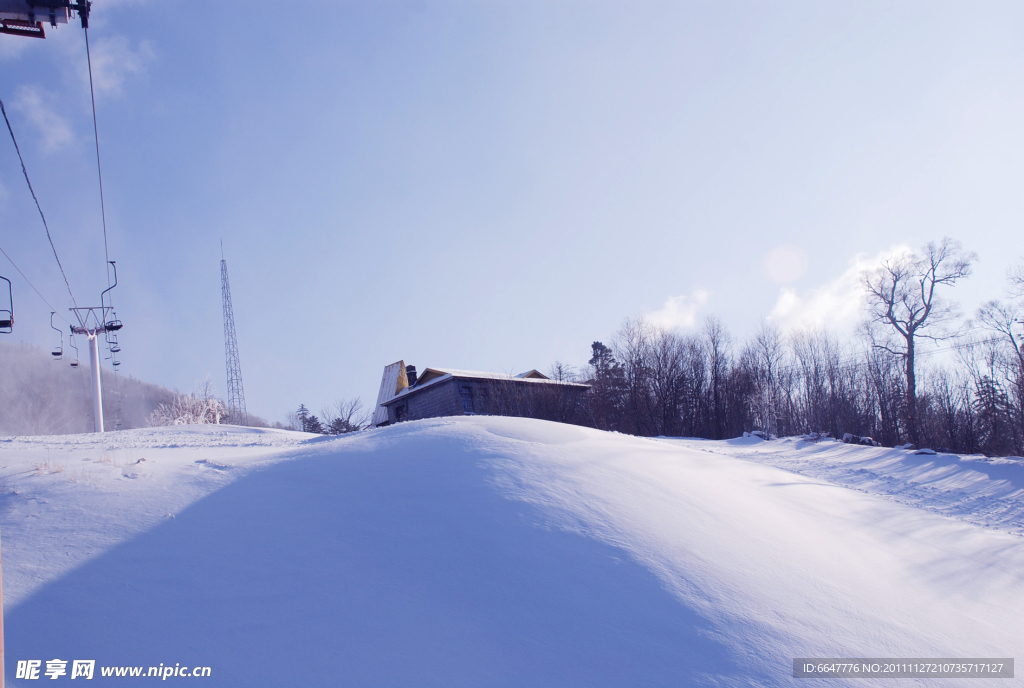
(489, 551)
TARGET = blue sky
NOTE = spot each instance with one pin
(494, 185)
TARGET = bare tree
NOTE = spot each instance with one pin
(814, 354)
(328, 416)
(292, 421)
(631, 346)
(1016, 279)
(952, 413)
(717, 343)
(902, 298)
(1007, 321)
(563, 372)
(766, 356)
(666, 362)
(345, 415)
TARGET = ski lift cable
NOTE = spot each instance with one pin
(99, 168)
(29, 282)
(38, 207)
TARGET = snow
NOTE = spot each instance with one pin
(68, 498)
(976, 489)
(486, 551)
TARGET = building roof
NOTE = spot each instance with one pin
(431, 376)
(431, 373)
(392, 383)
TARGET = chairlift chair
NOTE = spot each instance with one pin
(74, 361)
(7, 315)
(112, 325)
(112, 346)
(58, 353)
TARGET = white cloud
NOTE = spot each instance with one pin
(114, 60)
(34, 103)
(679, 311)
(838, 304)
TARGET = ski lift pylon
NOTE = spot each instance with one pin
(17, 27)
(26, 17)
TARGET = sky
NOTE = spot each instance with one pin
(495, 185)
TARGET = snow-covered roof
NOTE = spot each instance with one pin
(433, 375)
(420, 384)
(455, 372)
(529, 376)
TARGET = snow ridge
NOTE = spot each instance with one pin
(976, 489)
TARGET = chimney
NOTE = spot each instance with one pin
(410, 373)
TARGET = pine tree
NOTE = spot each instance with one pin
(340, 426)
(307, 421)
(313, 424)
(606, 386)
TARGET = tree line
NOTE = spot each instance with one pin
(963, 392)
(344, 416)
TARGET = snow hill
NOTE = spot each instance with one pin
(500, 552)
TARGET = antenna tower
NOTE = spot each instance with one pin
(236, 395)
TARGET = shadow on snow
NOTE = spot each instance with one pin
(372, 567)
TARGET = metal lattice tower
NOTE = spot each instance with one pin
(236, 395)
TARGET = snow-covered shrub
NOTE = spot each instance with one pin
(200, 408)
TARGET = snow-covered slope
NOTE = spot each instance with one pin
(491, 552)
(987, 491)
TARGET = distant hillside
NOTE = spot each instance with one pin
(40, 396)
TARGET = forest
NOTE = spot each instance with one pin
(916, 373)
